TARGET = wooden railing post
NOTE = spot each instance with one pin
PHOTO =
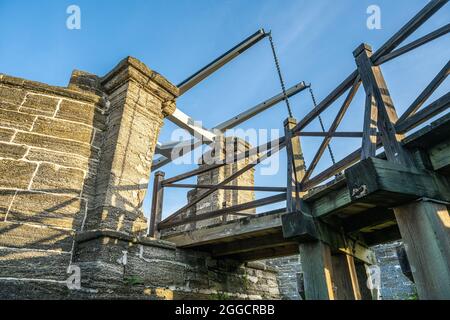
(295, 166)
(157, 203)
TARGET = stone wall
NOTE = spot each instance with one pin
(394, 284)
(74, 169)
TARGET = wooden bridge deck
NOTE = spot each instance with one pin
(365, 213)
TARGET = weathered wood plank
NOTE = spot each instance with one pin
(440, 157)
(345, 279)
(239, 188)
(433, 109)
(424, 95)
(414, 44)
(213, 214)
(382, 236)
(317, 270)
(424, 227)
(370, 138)
(295, 167)
(157, 205)
(368, 219)
(251, 244)
(412, 25)
(395, 183)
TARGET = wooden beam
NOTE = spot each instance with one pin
(410, 27)
(333, 170)
(379, 181)
(345, 279)
(375, 84)
(317, 270)
(277, 143)
(347, 134)
(414, 44)
(428, 91)
(226, 181)
(370, 138)
(439, 157)
(381, 236)
(190, 125)
(226, 232)
(252, 112)
(221, 61)
(436, 107)
(251, 244)
(372, 218)
(239, 188)
(332, 97)
(157, 204)
(296, 226)
(268, 253)
(229, 210)
(295, 167)
(425, 229)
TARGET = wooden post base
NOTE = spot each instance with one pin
(425, 229)
(327, 276)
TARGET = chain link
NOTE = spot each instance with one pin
(277, 64)
(321, 123)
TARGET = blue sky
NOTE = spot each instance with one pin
(315, 40)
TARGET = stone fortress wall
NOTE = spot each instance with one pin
(74, 169)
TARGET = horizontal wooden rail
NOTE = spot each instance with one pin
(231, 178)
(245, 206)
(277, 143)
(238, 188)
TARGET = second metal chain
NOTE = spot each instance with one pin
(321, 123)
(277, 64)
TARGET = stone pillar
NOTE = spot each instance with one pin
(139, 99)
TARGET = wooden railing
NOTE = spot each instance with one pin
(382, 128)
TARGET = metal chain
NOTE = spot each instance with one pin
(277, 64)
(321, 123)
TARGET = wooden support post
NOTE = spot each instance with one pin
(425, 229)
(317, 270)
(345, 278)
(157, 203)
(295, 166)
(370, 139)
(375, 85)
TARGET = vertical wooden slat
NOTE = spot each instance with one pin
(317, 270)
(295, 166)
(369, 141)
(157, 204)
